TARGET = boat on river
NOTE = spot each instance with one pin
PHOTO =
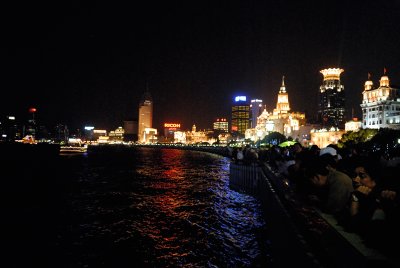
(73, 145)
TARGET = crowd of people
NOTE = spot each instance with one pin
(359, 188)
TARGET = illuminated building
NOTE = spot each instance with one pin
(145, 116)
(103, 139)
(331, 106)
(224, 138)
(256, 110)
(324, 137)
(353, 125)
(149, 135)
(240, 120)
(193, 136)
(180, 137)
(261, 128)
(117, 135)
(282, 119)
(282, 104)
(380, 106)
(221, 124)
(88, 134)
(97, 133)
(170, 129)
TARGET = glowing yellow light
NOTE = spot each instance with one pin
(331, 73)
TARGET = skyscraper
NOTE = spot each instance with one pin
(331, 112)
(240, 115)
(256, 109)
(145, 116)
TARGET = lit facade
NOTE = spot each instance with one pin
(180, 137)
(224, 138)
(240, 120)
(97, 133)
(324, 137)
(353, 125)
(221, 124)
(282, 104)
(380, 106)
(117, 135)
(150, 135)
(145, 116)
(281, 120)
(255, 109)
(193, 136)
(331, 105)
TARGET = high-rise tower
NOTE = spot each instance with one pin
(145, 116)
(256, 109)
(240, 115)
(331, 112)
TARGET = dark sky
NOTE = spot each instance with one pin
(87, 64)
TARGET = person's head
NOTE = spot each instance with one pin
(314, 149)
(362, 177)
(315, 173)
(328, 160)
(297, 148)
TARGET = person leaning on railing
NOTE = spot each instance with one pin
(332, 188)
(374, 207)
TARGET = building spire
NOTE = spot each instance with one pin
(283, 88)
(384, 70)
(146, 95)
(368, 84)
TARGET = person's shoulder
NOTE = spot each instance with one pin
(339, 175)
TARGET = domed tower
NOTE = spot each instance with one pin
(282, 105)
(380, 106)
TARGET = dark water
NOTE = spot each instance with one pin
(137, 207)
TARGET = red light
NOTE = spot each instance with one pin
(32, 110)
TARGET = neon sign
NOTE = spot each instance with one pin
(240, 98)
(171, 125)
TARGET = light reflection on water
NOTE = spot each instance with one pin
(161, 208)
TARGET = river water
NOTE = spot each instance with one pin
(146, 207)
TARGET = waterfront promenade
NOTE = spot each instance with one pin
(320, 236)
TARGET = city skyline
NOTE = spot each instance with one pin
(90, 64)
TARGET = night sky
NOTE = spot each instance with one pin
(88, 64)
